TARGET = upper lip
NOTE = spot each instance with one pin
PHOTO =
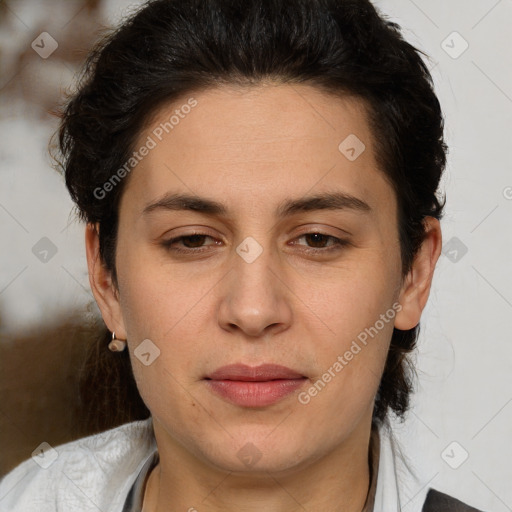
(264, 372)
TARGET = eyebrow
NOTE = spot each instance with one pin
(287, 208)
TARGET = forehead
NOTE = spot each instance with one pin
(260, 145)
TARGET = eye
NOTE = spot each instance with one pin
(319, 241)
(193, 243)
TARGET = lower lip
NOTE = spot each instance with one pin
(255, 394)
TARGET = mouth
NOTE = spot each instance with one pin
(257, 386)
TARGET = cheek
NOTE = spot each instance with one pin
(157, 299)
(353, 297)
(351, 363)
(175, 313)
(357, 319)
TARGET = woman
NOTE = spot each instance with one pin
(259, 183)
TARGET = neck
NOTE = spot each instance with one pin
(334, 482)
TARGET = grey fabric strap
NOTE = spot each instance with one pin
(438, 502)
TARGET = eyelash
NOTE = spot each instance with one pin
(338, 243)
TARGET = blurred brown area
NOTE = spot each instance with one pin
(40, 370)
(43, 83)
(39, 379)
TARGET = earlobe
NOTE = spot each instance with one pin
(416, 288)
(101, 283)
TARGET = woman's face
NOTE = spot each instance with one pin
(252, 285)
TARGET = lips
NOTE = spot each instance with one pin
(264, 372)
(257, 386)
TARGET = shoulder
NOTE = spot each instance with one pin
(439, 502)
(91, 473)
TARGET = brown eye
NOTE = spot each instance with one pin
(187, 243)
(318, 242)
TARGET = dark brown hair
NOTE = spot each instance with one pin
(171, 48)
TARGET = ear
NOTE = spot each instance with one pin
(416, 287)
(102, 287)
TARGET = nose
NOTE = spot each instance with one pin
(255, 299)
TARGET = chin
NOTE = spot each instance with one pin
(260, 454)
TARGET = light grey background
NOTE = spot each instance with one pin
(464, 357)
